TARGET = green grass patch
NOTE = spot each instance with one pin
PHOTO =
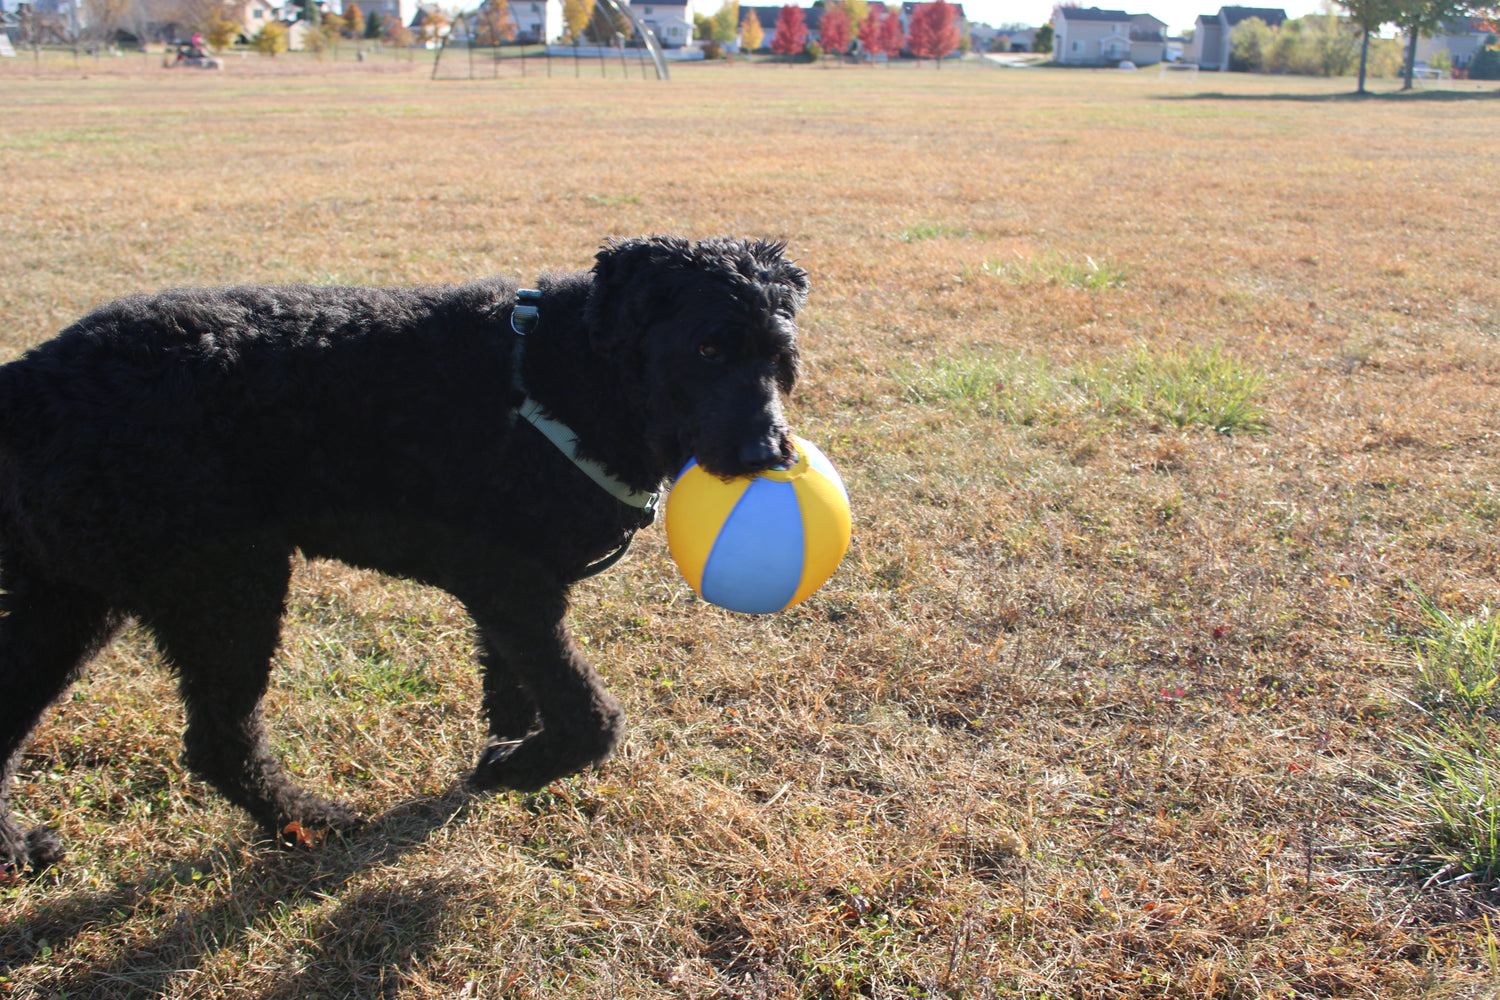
(1057, 269)
(1451, 791)
(1200, 387)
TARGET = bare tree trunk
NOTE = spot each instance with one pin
(1410, 69)
(1364, 56)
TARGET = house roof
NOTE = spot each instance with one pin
(907, 8)
(1234, 15)
(1092, 14)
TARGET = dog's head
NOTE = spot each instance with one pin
(707, 331)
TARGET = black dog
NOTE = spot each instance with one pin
(163, 457)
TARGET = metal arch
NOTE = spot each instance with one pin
(653, 46)
(646, 35)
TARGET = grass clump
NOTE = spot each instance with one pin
(1059, 270)
(1201, 387)
(1452, 793)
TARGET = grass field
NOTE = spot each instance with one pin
(1160, 665)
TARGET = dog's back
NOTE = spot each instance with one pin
(176, 417)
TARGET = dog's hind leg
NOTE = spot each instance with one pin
(580, 722)
(47, 632)
(219, 626)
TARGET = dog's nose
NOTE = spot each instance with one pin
(761, 454)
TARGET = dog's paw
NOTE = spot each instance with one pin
(533, 763)
(43, 847)
(37, 851)
(307, 821)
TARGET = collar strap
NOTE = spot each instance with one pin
(523, 320)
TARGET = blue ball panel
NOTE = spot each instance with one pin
(756, 562)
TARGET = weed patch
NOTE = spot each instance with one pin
(1057, 269)
(1201, 387)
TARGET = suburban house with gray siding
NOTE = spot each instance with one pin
(1212, 34)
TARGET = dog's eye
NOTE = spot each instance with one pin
(710, 352)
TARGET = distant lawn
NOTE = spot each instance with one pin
(1160, 403)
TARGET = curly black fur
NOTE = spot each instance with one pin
(165, 456)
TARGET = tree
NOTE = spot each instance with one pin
(310, 12)
(1250, 46)
(870, 32)
(1423, 18)
(835, 31)
(751, 33)
(221, 33)
(1042, 40)
(494, 24)
(432, 24)
(934, 31)
(791, 31)
(270, 39)
(1486, 62)
(576, 17)
(397, 34)
(859, 13)
(1368, 16)
(374, 24)
(892, 35)
(103, 17)
(354, 20)
(724, 25)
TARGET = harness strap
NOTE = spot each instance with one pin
(523, 320)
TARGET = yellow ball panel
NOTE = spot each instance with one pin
(826, 530)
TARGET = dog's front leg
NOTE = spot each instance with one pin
(548, 712)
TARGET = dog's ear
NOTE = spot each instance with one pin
(621, 292)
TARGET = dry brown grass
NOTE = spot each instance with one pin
(1092, 708)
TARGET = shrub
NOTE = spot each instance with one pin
(813, 52)
(1486, 62)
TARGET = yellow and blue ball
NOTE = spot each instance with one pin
(760, 543)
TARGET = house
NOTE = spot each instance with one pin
(1088, 36)
(1212, 33)
(1148, 39)
(1461, 38)
(1014, 38)
(671, 22)
(253, 15)
(537, 20)
(391, 11)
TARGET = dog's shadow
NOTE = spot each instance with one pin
(256, 898)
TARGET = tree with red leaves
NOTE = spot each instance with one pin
(791, 31)
(934, 31)
(834, 33)
(869, 32)
(892, 36)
